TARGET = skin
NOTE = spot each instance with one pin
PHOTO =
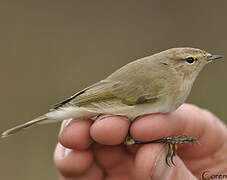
(93, 149)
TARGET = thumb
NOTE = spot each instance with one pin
(150, 164)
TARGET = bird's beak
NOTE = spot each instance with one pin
(213, 57)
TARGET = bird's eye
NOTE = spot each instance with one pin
(190, 60)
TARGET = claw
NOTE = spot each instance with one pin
(175, 149)
(172, 160)
(168, 155)
(174, 152)
(172, 144)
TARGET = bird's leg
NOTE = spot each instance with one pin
(129, 140)
(173, 145)
(171, 141)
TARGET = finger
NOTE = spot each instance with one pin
(189, 120)
(110, 130)
(64, 124)
(94, 173)
(150, 164)
(76, 135)
(71, 163)
(113, 159)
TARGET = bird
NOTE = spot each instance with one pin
(159, 83)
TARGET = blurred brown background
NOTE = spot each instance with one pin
(51, 49)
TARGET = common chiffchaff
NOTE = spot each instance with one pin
(155, 84)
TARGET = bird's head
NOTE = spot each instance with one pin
(187, 61)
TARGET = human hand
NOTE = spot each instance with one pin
(94, 150)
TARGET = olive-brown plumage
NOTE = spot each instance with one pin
(155, 84)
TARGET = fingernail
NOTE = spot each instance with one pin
(64, 125)
(67, 152)
(59, 151)
(103, 116)
(161, 170)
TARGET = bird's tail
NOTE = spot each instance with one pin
(53, 116)
(23, 126)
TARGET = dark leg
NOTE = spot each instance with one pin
(169, 154)
(129, 140)
(171, 141)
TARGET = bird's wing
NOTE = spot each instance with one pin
(139, 92)
(127, 92)
(80, 94)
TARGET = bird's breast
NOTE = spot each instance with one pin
(183, 92)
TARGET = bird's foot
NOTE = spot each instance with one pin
(129, 140)
(173, 145)
(171, 141)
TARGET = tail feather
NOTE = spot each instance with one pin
(52, 117)
(23, 126)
